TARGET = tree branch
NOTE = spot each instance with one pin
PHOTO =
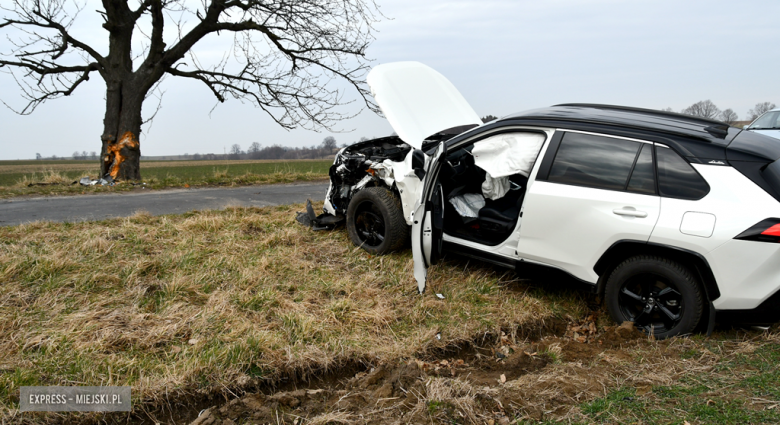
(67, 39)
(36, 96)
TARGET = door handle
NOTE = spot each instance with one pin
(630, 213)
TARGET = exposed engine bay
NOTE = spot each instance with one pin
(386, 161)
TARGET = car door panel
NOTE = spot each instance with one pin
(571, 226)
(600, 189)
(427, 220)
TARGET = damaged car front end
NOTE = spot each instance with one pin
(381, 179)
(384, 161)
(376, 185)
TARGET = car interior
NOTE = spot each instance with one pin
(488, 221)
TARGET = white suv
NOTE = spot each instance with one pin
(671, 218)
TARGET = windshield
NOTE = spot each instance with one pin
(768, 120)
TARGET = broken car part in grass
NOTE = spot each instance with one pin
(107, 180)
(322, 222)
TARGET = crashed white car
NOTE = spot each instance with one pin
(672, 218)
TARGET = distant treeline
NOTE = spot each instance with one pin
(268, 152)
(327, 148)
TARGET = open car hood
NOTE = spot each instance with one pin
(418, 101)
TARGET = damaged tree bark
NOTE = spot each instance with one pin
(280, 51)
(120, 151)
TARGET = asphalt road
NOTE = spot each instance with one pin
(98, 207)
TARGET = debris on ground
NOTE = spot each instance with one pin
(318, 222)
(583, 331)
(105, 181)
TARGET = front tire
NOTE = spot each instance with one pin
(659, 295)
(375, 221)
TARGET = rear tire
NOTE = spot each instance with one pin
(375, 221)
(660, 296)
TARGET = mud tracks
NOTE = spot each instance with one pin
(508, 380)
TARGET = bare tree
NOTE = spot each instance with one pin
(284, 56)
(760, 109)
(729, 116)
(38, 156)
(254, 147)
(329, 144)
(703, 108)
(235, 151)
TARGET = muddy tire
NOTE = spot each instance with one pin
(375, 221)
(659, 295)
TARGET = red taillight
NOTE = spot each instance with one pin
(767, 230)
(772, 231)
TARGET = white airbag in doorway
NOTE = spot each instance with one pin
(507, 154)
(495, 188)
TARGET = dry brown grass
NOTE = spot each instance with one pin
(217, 301)
(47, 177)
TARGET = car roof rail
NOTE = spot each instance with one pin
(705, 122)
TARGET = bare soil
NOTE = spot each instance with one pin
(539, 379)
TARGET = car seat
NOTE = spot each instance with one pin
(498, 218)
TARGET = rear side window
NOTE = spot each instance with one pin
(594, 161)
(643, 177)
(676, 177)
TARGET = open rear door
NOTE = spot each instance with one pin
(428, 220)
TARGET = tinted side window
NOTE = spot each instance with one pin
(593, 161)
(643, 176)
(676, 178)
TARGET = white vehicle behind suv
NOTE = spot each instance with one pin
(767, 124)
(671, 218)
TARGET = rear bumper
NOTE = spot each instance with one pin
(767, 313)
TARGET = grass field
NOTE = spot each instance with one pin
(197, 309)
(219, 301)
(19, 178)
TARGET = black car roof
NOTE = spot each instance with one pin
(667, 122)
(699, 139)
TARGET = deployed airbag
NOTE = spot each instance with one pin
(468, 204)
(495, 188)
(507, 154)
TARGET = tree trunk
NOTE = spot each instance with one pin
(121, 149)
(120, 154)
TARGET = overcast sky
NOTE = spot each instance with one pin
(505, 56)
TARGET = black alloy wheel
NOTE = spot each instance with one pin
(369, 224)
(661, 297)
(375, 221)
(651, 302)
